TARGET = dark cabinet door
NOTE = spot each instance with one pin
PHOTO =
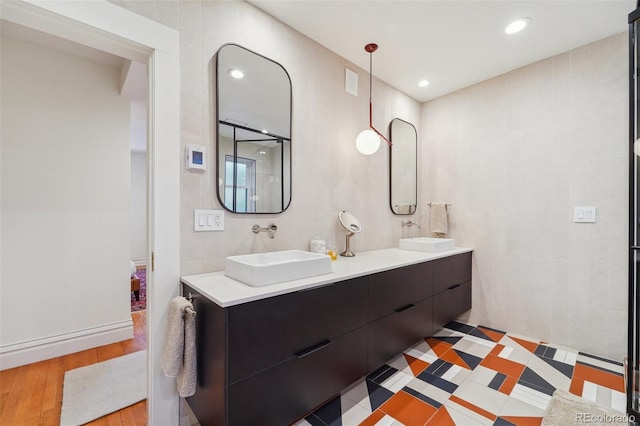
(397, 288)
(451, 270)
(389, 336)
(286, 392)
(451, 303)
(269, 331)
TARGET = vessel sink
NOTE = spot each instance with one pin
(262, 269)
(427, 244)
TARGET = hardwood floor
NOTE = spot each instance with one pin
(32, 394)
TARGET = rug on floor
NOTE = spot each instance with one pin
(568, 409)
(139, 305)
(96, 390)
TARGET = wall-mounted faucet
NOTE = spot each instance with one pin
(271, 229)
(409, 223)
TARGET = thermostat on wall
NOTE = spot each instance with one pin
(196, 157)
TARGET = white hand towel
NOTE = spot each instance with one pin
(439, 218)
(179, 357)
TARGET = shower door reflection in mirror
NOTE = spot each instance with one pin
(254, 132)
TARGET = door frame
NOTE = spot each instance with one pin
(113, 29)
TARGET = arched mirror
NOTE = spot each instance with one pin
(253, 152)
(403, 166)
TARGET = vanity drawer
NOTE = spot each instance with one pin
(288, 391)
(450, 271)
(389, 336)
(398, 288)
(451, 303)
(265, 332)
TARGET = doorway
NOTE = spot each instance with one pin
(108, 27)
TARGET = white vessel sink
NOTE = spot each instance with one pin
(263, 269)
(427, 244)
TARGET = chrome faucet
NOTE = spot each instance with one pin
(409, 223)
(271, 229)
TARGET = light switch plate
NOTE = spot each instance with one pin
(208, 220)
(584, 214)
(350, 82)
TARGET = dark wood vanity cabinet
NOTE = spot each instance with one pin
(400, 311)
(452, 288)
(272, 361)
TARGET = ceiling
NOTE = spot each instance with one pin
(452, 43)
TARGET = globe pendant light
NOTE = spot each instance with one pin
(368, 141)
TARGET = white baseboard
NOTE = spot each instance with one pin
(17, 354)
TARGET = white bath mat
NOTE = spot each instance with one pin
(96, 390)
(568, 409)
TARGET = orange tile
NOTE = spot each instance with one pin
(504, 366)
(453, 357)
(417, 365)
(528, 345)
(599, 377)
(508, 385)
(408, 410)
(496, 349)
(523, 421)
(374, 418)
(474, 408)
(438, 346)
(576, 386)
(441, 418)
(493, 335)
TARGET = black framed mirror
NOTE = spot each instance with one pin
(403, 167)
(253, 150)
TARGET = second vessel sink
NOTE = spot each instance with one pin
(427, 244)
(261, 269)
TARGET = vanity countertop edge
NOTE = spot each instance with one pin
(226, 292)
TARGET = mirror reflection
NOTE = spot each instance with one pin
(403, 165)
(254, 132)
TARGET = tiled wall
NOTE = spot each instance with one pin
(329, 175)
(514, 155)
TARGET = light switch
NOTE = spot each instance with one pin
(584, 214)
(208, 220)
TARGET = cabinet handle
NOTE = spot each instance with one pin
(454, 286)
(406, 307)
(312, 349)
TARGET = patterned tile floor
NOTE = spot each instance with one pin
(473, 375)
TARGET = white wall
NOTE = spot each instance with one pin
(65, 202)
(138, 203)
(514, 155)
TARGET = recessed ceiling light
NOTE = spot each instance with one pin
(423, 83)
(265, 131)
(235, 73)
(517, 25)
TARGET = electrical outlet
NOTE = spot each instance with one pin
(208, 220)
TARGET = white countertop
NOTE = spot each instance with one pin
(226, 291)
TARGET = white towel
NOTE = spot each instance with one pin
(439, 219)
(179, 357)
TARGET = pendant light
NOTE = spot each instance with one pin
(368, 141)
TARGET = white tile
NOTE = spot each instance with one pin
(571, 358)
(618, 401)
(482, 375)
(353, 413)
(451, 373)
(560, 355)
(481, 396)
(429, 390)
(397, 381)
(517, 407)
(386, 421)
(505, 352)
(590, 391)
(530, 396)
